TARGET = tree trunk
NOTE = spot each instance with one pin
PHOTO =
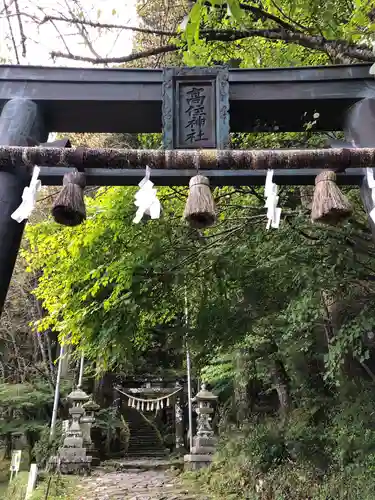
(282, 386)
(241, 387)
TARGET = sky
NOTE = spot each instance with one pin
(41, 40)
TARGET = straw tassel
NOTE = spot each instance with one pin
(329, 205)
(69, 206)
(200, 210)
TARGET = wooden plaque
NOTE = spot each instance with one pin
(196, 108)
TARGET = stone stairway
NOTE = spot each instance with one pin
(144, 439)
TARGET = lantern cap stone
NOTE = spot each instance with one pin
(78, 395)
(90, 405)
(205, 395)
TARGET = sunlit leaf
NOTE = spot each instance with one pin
(235, 10)
(192, 28)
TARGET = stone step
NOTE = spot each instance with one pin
(145, 445)
(145, 439)
(144, 432)
(139, 430)
(153, 440)
(141, 442)
(144, 455)
(142, 437)
(135, 447)
(145, 449)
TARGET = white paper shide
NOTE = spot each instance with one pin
(371, 185)
(272, 199)
(146, 199)
(29, 197)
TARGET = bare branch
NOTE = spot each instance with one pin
(62, 38)
(6, 10)
(6, 6)
(314, 42)
(319, 43)
(83, 32)
(260, 14)
(36, 19)
(296, 23)
(117, 60)
(109, 26)
(20, 25)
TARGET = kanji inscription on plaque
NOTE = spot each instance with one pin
(195, 108)
(195, 127)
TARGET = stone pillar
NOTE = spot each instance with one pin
(205, 441)
(20, 123)
(360, 133)
(179, 421)
(65, 427)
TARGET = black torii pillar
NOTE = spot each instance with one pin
(20, 124)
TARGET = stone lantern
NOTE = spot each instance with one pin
(204, 442)
(74, 436)
(72, 457)
(87, 421)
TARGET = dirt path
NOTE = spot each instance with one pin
(135, 485)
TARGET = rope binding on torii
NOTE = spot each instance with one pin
(149, 404)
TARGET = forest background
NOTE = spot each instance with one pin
(280, 322)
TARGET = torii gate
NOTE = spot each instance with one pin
(36, 100)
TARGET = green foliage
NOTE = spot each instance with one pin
(326, 459)
(103, 301)
(112, 425)
(23, 407)
(46, 447)
(17, 488)
(277, 33)
(59, 488)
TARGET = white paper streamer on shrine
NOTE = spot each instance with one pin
(29, 197)
(371, 185)
(272, 199)
(146, 199)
